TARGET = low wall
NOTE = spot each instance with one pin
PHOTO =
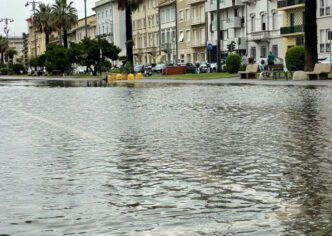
(175, 70)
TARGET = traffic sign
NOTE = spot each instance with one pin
(209, 46)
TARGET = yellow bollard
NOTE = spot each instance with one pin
(139, 76)
(130, 77)
(109, 79)
(118, 76)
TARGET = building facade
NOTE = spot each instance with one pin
(263, 22)
(40, 41)
(17, 43)
(110, 23)
(324, 25)
(78, 32)
(232, 27)
(167, 32)
(292, 30)
(145, 21)
(191, 30)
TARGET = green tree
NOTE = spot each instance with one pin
(33, 62)
(233, 63)
(3, 47)
(64, 17)
(310, 29)
(295, 58)
(129, 6)
(43, 21)
(56, 59)
(87, 53)
(10, 53)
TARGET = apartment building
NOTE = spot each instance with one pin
(110, 23)
(292, 30)
(17, 43)
(324, 25)
(191, 30)
(232, 27)
(263, 28)
(78, 32)
(40, 41)
(145, 21)
(167, 31)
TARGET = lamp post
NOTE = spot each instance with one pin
(218, 36)
(86, 23)
(33, 3)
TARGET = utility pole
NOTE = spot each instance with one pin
(86, 21)
(33, 3)
(7, 21)
(218, 37)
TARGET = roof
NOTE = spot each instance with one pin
(166, 4)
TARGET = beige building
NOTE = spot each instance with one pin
(41, 41)
(17, 43)
(146, 33)
(324, 25)
(78, 32)
(191, 30)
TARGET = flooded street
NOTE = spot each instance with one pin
(164, 159)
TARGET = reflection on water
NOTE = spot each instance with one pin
(164, 159)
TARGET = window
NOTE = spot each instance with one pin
(187, 14)
(299, 41)
(106, 14)
(102, 15)
(253, 24)
(263, 22)
(157, 19)
(263, 51)
(182, 58)
(274, 20)
(275, 50)
(162, 16)
(188, 58)
(181, 15)
(168, 11)
(98, 15)
(328, 7)
(173, 12)
(187, 35)
(181, 37)
(168, 37)
(253, 52)
(321, 9)
(111, 12)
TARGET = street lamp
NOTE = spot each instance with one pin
(7, 21)
(33, 3)
(86, 23)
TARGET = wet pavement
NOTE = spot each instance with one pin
(165, 157)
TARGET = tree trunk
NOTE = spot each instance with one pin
(65, 39)
(2, 59)
(129, 36)
(47, 38)
(310, 29)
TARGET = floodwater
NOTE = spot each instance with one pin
(84, 158)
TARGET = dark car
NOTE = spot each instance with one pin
(190, 68)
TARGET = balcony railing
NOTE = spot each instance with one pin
(165, 46)
(288, 3)
(291, 29)
(197, 21)
(263, 35)
(198, 43)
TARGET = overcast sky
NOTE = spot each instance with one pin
(16, 9)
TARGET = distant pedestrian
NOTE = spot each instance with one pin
(270, 60)
(261, 64)
(251, 59)
(245, 59)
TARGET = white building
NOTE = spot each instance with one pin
(263, 28)
(232, 26)
(167, 21)
(324, 25)
(110, 23)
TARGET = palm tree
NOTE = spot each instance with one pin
(129, 6)
(310, 29)
(43, 21)
(64, 17)
(3, 47)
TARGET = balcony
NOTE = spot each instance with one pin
(290, 4)
(240, 43)
(192, 2)
(234, 22)
(165, 47)
(212, 5)
(260, 36)
(197, 21)
(198, 43)
(296, 29)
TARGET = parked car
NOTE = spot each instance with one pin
(158, 68)
(213, 66)
(138, 68)
(204, 68)
(190, 68)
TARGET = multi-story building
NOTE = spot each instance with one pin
(167, 29)
(191, 30)
(78, 32)
(17, 43)
(40, 41)
(25, 48)
(146, 33)
(292, 30)
(232, 26)
(110, 23)
(324, 25)
(263, 23)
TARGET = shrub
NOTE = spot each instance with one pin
(233, 63)
(115, 71)
(243, 67)
(127, 68)
(105, 66)
(4, 71)
(2, 65)
(295, 58)
(18, 68)
(56, 59)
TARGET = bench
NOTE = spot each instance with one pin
(250, 72)
(321, 71)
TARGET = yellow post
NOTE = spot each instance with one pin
(139, 76)
(130, 77)
(109, 79)
(118, 76)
